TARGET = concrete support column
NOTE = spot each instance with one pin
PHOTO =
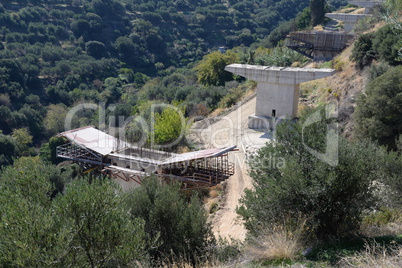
(277, 90)
(280, 94)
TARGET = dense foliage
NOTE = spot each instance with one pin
(317, 10)
(290, 181)
(57, 54)
(380, 45)
(177, 228)
(379, 111)
(91, 223)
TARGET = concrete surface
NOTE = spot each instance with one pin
(277, 90)
(349, 20)
(368, 5)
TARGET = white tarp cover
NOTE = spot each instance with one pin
(214, 152)
(94, 139)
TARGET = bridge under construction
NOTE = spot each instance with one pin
(97, 151)
(319, 45)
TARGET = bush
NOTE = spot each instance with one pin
(176, 228)
(375, 70)
(385, 43)
(211, 70)
(382, 45)
(103, 234)
(289, 181)
(378, 113)
(89, 225)
(363, 53)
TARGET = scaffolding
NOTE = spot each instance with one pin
(318, 44)
(77, 153)
(95, 151)
(199, 173)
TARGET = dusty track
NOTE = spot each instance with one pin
(227, 131)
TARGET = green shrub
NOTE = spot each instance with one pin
(385, 43)
(88, 225)
(378, 113)
(169, 126)
(339, 65)
(375, 70)
(327, 64)
(102, 232)
(211, 70)
(289, 181)
(382, 217)
(381, 45)
(363, 53)
(280, 56)
(175, 227)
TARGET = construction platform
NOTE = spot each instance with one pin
(349, 20)
(277, 91)
(319, 45)
(368, 5)
(97, 151)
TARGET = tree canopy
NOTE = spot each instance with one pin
(379, 110)
(290, 181)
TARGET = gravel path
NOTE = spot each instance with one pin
(228, 131)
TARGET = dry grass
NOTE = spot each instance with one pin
(383, 223)
(375, 255)
(217, 112)
(392, 229)
(186, 264)
(313, 91)
(212, 201)
(318, 28)
(183, 149)
(358, 11)
(213, 193)
(279, 242)
(346, 10)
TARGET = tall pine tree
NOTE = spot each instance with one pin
(317, 9)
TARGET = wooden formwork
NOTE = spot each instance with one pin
(309, 43)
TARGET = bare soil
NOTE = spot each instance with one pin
(230, 130)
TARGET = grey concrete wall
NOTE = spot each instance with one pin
(283, 98)
(277, 89)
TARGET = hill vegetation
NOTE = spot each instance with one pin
(122, 57)
(308, 200)
(57, 54)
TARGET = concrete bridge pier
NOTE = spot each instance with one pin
(277, 90)
(349, 20)
(368, 5)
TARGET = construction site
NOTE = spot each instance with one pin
(100, 153)
(325, 45)
(319, 45)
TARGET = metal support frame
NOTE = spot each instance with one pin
(195, 173)
(205, 172)
(75, 152)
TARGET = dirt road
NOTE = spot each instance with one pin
(227, 131)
